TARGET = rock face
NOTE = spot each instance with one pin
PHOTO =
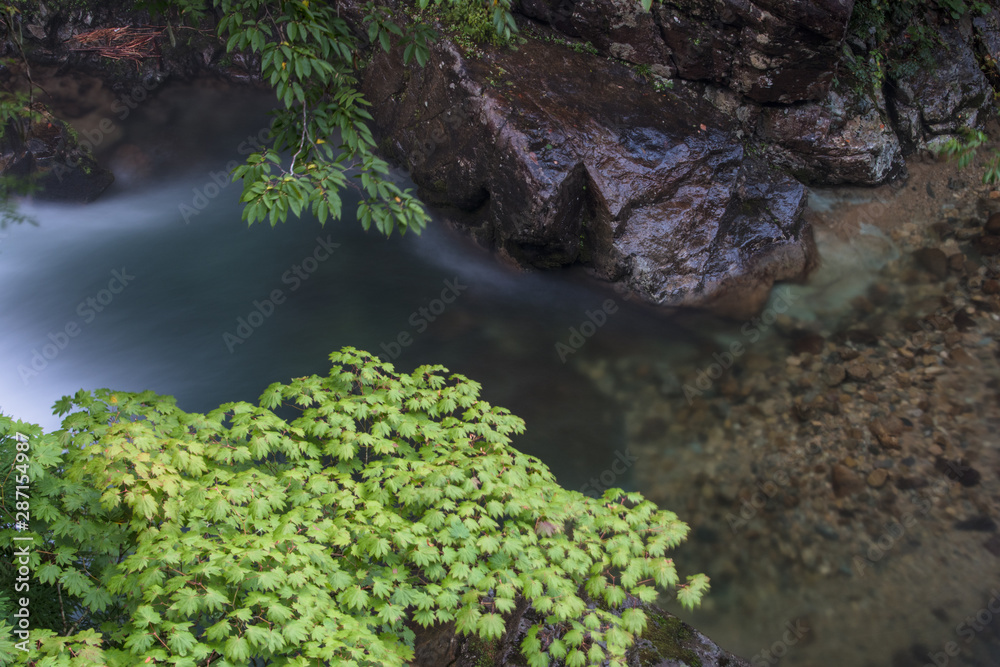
(48, 154)
(845, 139)
(931, 105)
(667, 642)
(768, 50)
(566, 156)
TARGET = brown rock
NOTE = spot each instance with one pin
(962, 321)
(806, 342)
(942, 229)
(939, 322)
(933, 261)
(877, 478)
(987, 245)
(862, 336)
(887, 430)
(992, 225)
(957, 262)
(991, 287)
(847, 354)
(859, 371)
(835, 374)
(845, 481)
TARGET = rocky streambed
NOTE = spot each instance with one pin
(838, 456)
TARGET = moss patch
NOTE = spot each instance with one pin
(664, 638)
(484, 653)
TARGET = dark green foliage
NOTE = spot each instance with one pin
(195, 539)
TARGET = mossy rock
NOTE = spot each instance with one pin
(666, 642)
(665, 639)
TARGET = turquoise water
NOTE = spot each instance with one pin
(160, 285)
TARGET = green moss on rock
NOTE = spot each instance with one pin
(664, 639)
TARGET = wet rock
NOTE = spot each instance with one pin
(845, 481)
(653, 189)
(835, 374)
(933, 261)
(991, 287)
(887, 431)
(958, 470)
(963, 322)
(957, 262)
(992, 225)
(859, 371)
(987, 245)
(622, 30)
(932, 104)
(848, 354)
(557, 13)
(942, 229)
(939, 322)
(862, 337)
(806, 342)
(877, 478)
(982, 524)
(910, 483)
(767, 50)
(840, 140)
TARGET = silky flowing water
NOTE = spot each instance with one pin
(159, 285)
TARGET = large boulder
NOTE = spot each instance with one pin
(568, 157)
(666, 642)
